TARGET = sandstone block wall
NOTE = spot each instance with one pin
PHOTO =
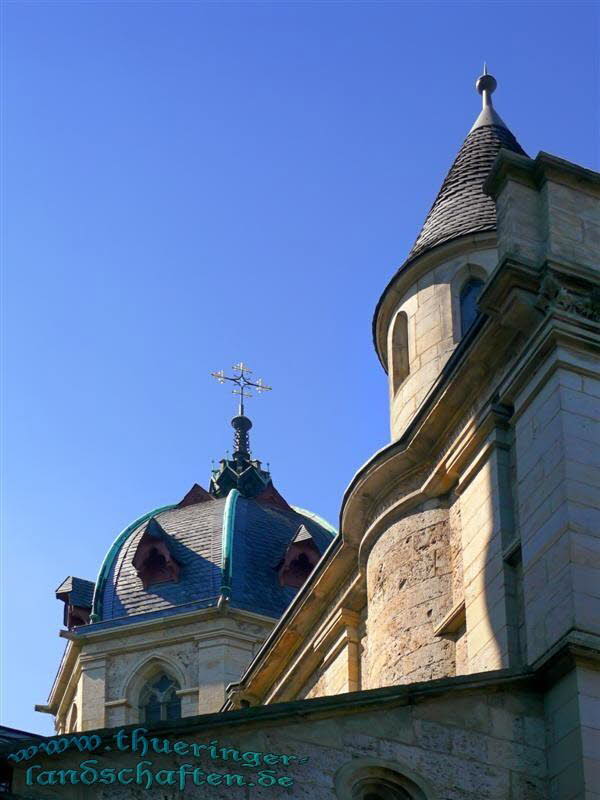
(203, 657)
(558, 494)
(433, 330)
(468, 745)
(573, 730)
(558, 220)
(410, 590)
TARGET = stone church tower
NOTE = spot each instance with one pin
(184, 598)
(445, 644)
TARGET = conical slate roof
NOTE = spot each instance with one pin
(461, 207)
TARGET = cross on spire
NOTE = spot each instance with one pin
(241, 424)
(242, 382)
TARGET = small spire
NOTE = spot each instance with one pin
(486, 85)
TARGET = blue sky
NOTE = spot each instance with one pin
(188, 184)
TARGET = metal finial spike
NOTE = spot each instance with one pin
(485, 72)
(241, 423)
(486, 85)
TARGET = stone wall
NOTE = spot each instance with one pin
(573, 727)
(474, 743)
(558, 470)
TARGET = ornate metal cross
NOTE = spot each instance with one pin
(242, 382)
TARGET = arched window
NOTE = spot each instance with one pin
(159, 701)
(398, 350)
(469, 295)
(379, 790)
(377, 781)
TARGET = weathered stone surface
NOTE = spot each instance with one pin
(451, 756)
(409, 580)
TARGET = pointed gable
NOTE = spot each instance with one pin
(271, 497)
(299, 560)
(195, 495)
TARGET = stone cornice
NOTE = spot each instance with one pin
(338, 629)
(321, 707)
(84, 634)
(535, 172)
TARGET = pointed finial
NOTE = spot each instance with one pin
(486, 85)
(240, 423)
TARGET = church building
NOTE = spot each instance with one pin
(444, 644)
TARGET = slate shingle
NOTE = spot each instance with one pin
(461, 207)
(261, 535)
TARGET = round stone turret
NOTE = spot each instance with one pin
(429, 304)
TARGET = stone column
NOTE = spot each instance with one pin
(490, 579)
(92, 693)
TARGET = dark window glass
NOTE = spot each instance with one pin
(469, 294)
(159, 701)
(380, 790)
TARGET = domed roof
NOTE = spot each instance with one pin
(228, 548)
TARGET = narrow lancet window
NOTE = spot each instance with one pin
(469, 295)
(398, 350)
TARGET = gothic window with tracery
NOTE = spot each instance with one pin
(469, 295)
(159, 701)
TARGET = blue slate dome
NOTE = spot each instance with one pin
(239, 544)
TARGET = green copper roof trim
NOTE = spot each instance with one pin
(96, 614)
(227, 541)
(316, 518)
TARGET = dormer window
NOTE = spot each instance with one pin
(153, 560)
(300, 559)
(299, 570)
